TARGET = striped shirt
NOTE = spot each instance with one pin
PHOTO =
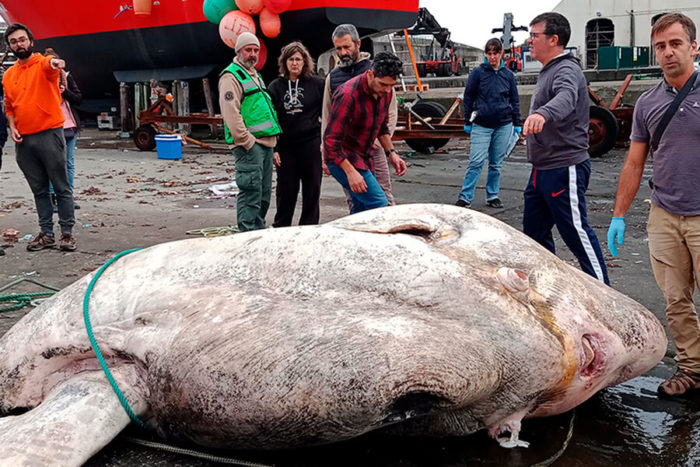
(357, 118)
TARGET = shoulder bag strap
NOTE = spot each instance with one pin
(670, 112)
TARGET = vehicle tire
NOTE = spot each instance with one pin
(436, 111)
(603, 130)
(421, 69)
(145, 138)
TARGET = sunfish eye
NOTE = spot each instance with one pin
(513, 280)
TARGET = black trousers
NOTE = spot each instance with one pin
(300, 163)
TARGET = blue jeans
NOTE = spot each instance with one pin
(491, 142)
(373, 198)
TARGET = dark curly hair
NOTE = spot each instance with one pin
(387, 64)
(13, 28)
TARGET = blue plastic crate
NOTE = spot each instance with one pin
(169, 146)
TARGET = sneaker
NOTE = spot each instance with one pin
(463, 204)
(494, 203)
(681, 384)
(67, 242)
(41, 241)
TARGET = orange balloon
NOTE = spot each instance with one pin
(251, 7)
(262, 56)
(233, 24)
(270, 24)
(277, 6)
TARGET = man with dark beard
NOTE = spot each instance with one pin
(346, 41)
(33, 108)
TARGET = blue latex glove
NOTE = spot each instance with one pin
(518, 129)
(616, 231)
(468, 129)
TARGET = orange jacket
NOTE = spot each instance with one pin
(32, 95)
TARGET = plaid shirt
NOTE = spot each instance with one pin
(357, 118)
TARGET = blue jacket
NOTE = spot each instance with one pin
(494, 96)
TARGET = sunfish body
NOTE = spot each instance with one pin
(424, 319)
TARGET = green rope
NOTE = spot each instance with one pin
(96, 348)
(20, 300)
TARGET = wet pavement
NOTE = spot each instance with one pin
(626, 424)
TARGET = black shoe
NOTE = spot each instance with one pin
(463, 204)
(2, 252)
(76, 206)
(495, 203)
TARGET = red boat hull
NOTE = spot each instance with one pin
(176, 37)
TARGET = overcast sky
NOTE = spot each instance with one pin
(471, 21)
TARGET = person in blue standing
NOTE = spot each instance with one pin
(557, 148)
(491, 95)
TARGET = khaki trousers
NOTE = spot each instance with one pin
(674, 249)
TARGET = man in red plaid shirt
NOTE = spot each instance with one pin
(359, 115)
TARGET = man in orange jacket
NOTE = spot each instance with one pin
(33, 108)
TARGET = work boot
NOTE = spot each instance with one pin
(41, 241)
(67, 242)
(682, 383)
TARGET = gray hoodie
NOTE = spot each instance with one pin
(561, 97)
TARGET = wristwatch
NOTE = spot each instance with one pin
(392, 150)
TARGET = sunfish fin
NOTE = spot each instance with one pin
(77, 418)
(423, 220)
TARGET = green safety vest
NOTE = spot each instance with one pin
(257, 110)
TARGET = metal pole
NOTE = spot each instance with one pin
(413, 60)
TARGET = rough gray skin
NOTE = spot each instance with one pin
(413, 317)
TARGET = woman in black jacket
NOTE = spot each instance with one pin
(298, 98)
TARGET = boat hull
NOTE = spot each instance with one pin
(174, 49)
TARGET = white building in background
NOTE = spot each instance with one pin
(596, 23)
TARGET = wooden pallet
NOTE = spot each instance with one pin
(413, 88)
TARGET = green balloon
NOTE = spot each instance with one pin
(214, 10)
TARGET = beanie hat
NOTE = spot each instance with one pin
(246, 38)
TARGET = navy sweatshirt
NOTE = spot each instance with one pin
(494, 96)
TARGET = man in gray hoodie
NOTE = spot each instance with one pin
(557, 148)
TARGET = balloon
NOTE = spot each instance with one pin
(277, 6)
(233, 24)
(252, 7)
(270, 23)
(262, 56)
(214, 10)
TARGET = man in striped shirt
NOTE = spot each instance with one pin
(359, 115)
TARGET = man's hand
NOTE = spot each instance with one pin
(533, 124)
(16, 136)
(324, 167)
(57, 63)
(276, 159)
(616, 232)
(398, 163)
(356, 181)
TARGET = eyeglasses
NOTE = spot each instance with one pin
(533, 35)
(21, 40)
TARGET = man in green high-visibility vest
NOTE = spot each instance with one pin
(251, 129)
